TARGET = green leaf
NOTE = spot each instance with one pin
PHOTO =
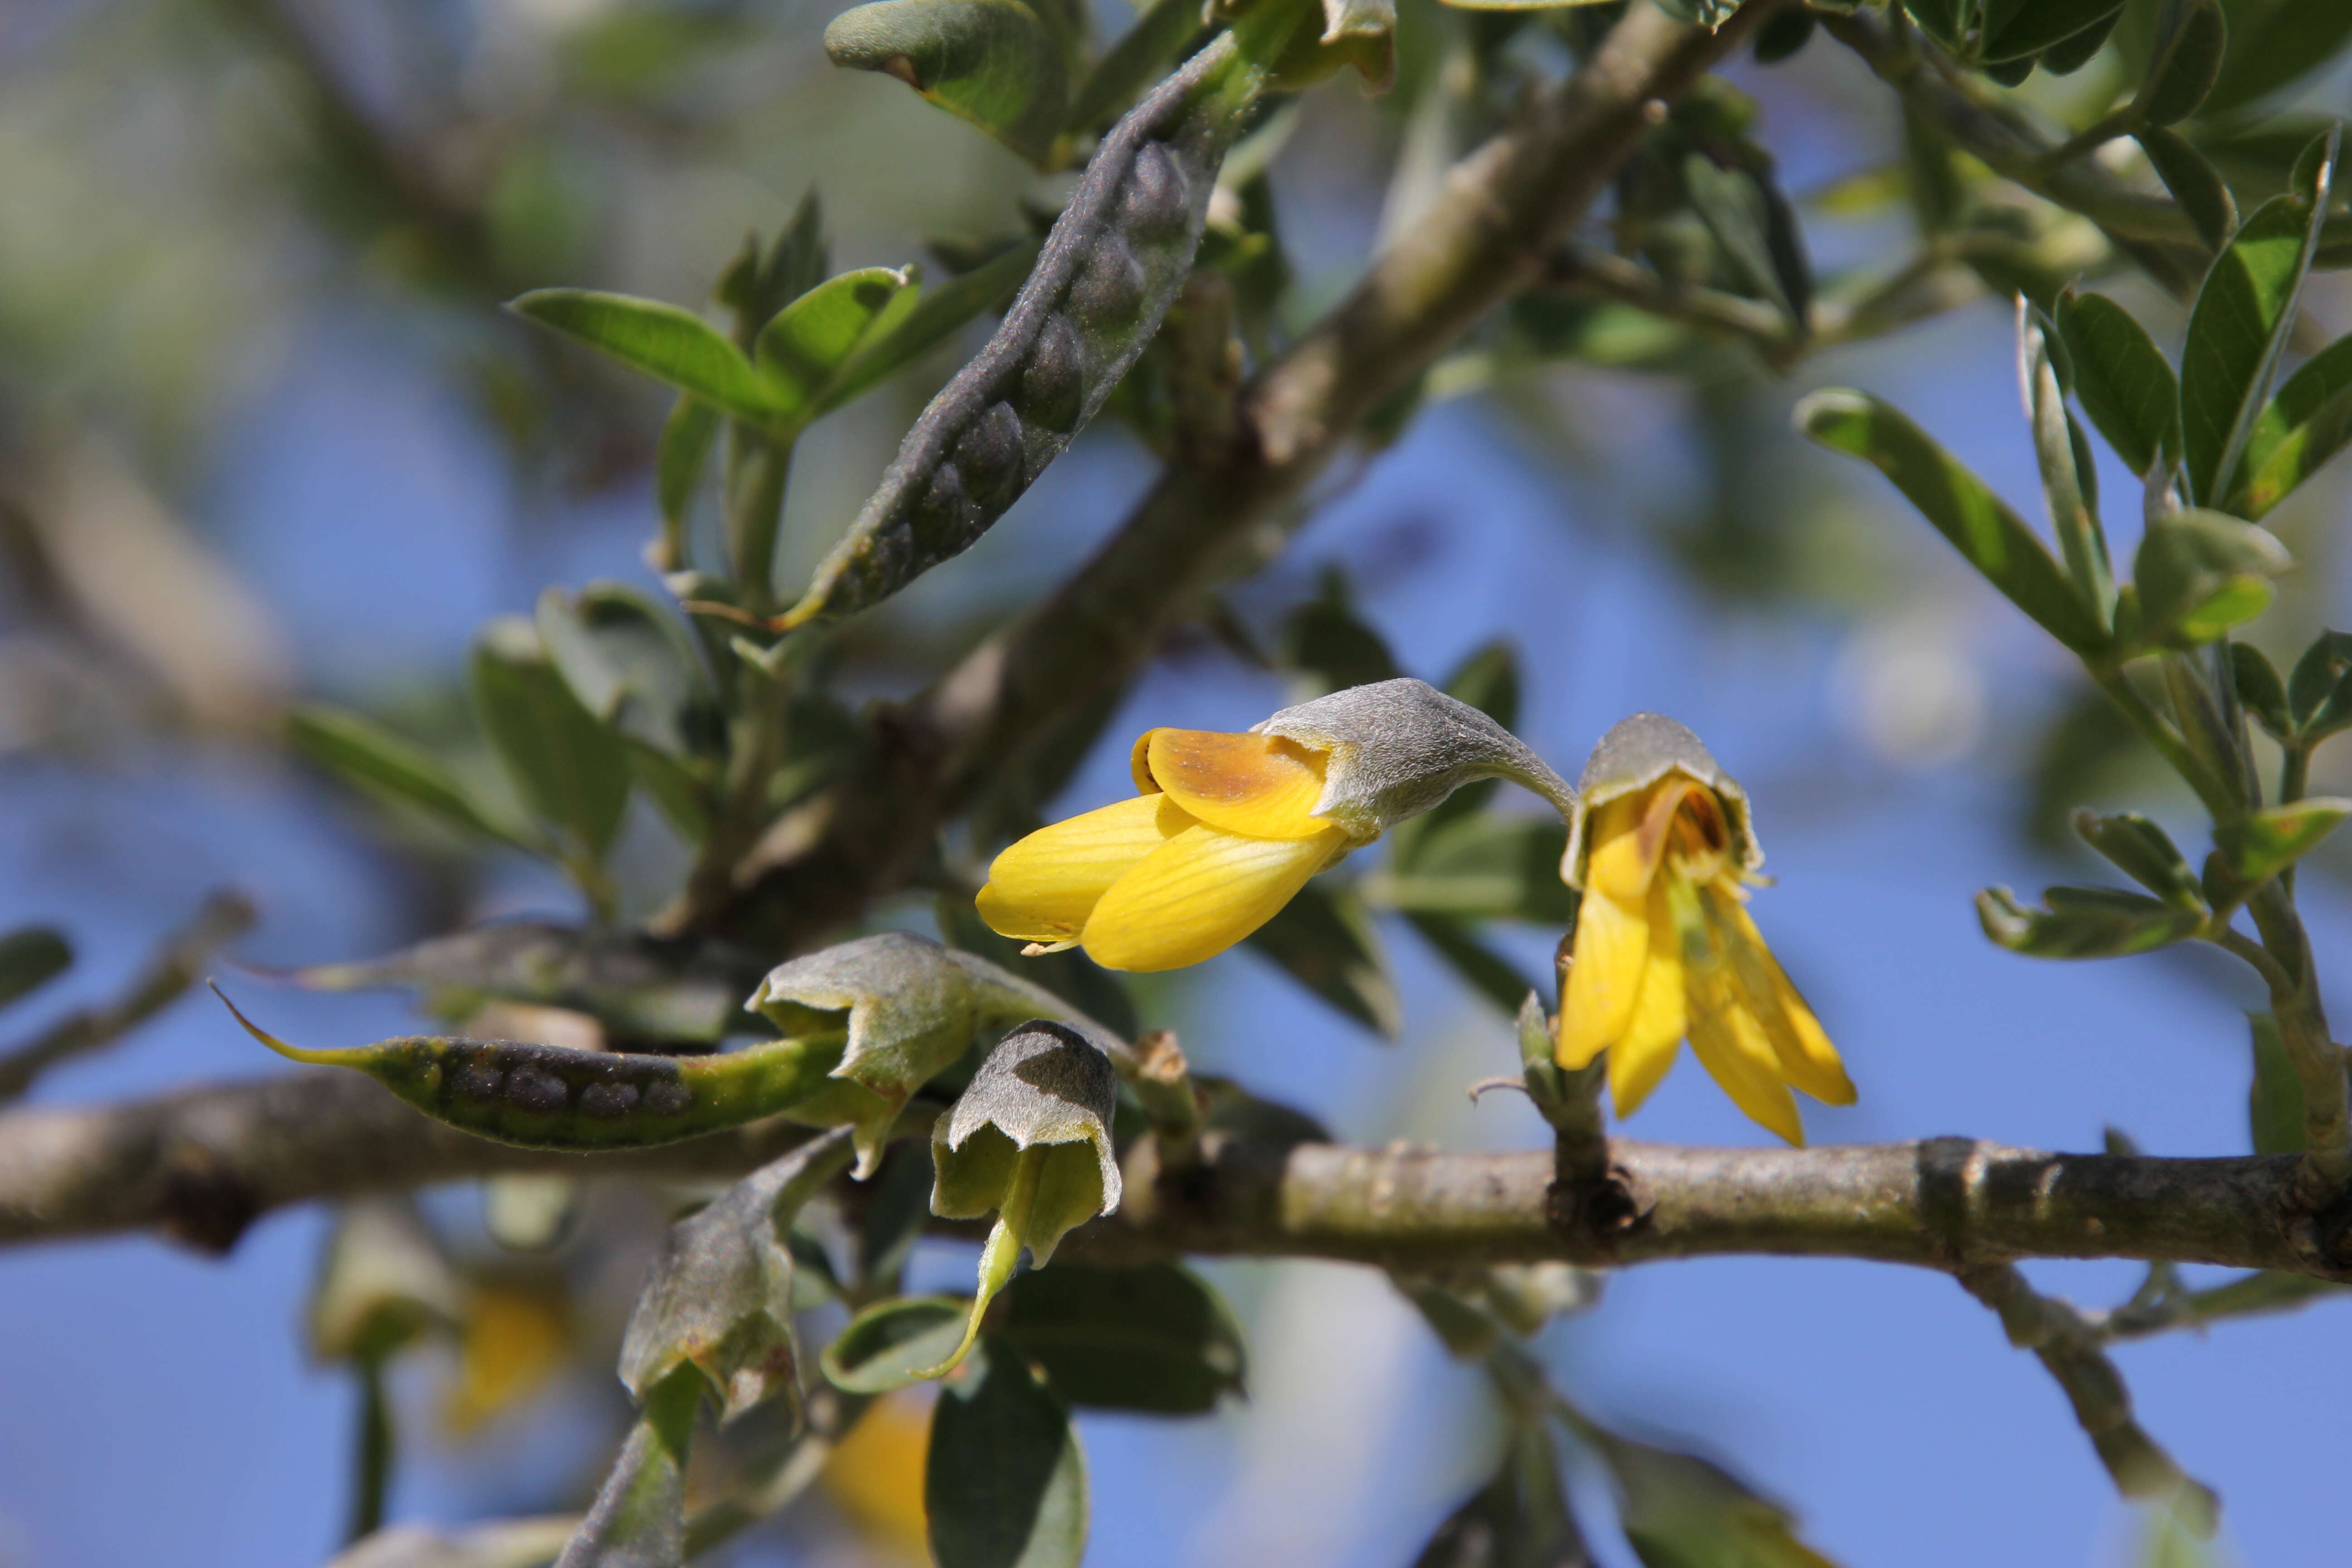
(2240, 326)
(678, 461)
(1484, 970)
(718, 1297)
(1992, 538)
(373, 758)
(2201, 572)
(1483, 868)
(1945, 21)
(2016, 29)
(2145, 853)
(2185, 64)
(2070, 54)
(756, 286)
(30, 957)
(992, 62)
(2121, 378)
(1783, 36)
(2194, 183)
(1133, 62)
(935, 316)
(2292, 39)
(666, 343)
(2083, 922)
(1157, 1338)
(1518, 1520)
(638, 1520)
(628, 662)
(2260, 691)
(2319, 692)
(2275, 1106)
(1679, 1510)
(2258, 845)
(1005, 1483)
(2308, 422)
(1325, 640)
(1737, 205)
(569, 765)
(2069, 485)
(1323, 940)
(885, 1346)
(804, 350)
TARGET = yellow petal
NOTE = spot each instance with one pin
(1807, 1059)
(1605, 977)
(1730, 1044)
(1200, 893)
(1044, 887)
(1255, 784)
(1638, 1063)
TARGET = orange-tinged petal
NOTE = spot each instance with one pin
(1255, 785)
(1807, 1059)
(1200, 893)
(1638, 1063)
(1730, 1044)
(1044, 887)
(1605, 977)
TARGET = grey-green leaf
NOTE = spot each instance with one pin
(638, 1520)
(2069, 486)
(2083, 922)
(2260, 691)
(992, 62)
(567, 763)
(1679, 1510)
(2201, 572)
(2121, 378)
(2194, 183)
(2238, 326)
(365, 754)
(666, 343)
(1736, 206)
(2145, 853)
(1520, 1519)
(30, 957)
(1005, 1482)
(1324, 940)
(889, 1344)
(1992, 538)
(1157, 1338)
(2186, 66)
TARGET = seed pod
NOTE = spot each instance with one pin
(1108, 271)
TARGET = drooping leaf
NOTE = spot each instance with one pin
(2122, 378)
(718, 1297)
(2145, 853)
(1679, 1510)
(2014, 30)
(2194, 183)
(1323, 940)
(2085, 922)
(890, 1343)
(2185, 64)
(935, 315)
(669, 344)
(2238, 326)
(365, 754)
(2201, 572)
(1988, 535)
(2275, 1104)
(566, 762)
(1520, 1519)
(992, 62)
(30, 957)
(1005, 1482)
(2262, 843)
(638, 1520)
(1157, 1338)
(2306, 423)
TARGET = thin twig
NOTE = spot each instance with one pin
(2252, 1296)
(173, 967)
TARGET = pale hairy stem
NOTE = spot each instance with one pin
(204, 1163)
(1503, 211)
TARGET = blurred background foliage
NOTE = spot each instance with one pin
(268, 438)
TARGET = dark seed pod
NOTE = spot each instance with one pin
(1115, 260)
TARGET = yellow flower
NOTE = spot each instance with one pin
(1226, 828)
(1665, 948)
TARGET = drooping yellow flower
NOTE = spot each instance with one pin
(1226, 828)
(1665, 948)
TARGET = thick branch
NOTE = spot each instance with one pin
(203, 1163)
(1503, 210)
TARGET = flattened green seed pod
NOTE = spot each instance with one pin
(1637, 753)
(1110, 268)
